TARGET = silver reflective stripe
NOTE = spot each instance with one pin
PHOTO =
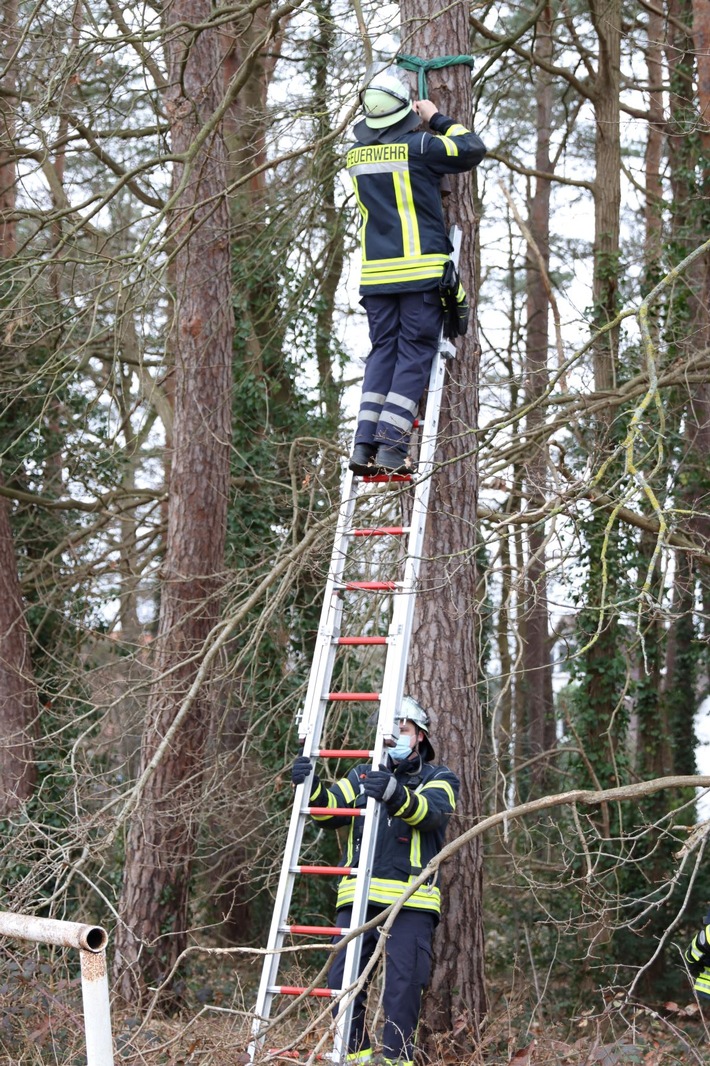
(379, 168)
(373, 397)
(396, 420)
(368, 416)
(402, 401)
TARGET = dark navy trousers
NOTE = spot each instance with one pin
(404, 334)
(407, 970)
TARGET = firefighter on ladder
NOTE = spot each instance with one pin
(419, 798)
(407, 286)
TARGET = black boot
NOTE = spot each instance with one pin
(393, 460)
(362, 461)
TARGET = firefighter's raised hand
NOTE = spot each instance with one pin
(301, 769)
(425, 109)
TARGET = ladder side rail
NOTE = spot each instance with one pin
(353, 951)
(331, 612)
(310, 723)
(282, 902)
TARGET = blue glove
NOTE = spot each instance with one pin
(301, 769)
(382, 785)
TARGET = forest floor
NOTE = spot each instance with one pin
(41, 1022)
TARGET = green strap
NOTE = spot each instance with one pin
(421, 66)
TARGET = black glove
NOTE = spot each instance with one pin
(382, 785)
(698, 954)
(301, 770)
(454, 302)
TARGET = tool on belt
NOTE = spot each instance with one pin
(454, 302)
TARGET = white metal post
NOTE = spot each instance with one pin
(90, 941)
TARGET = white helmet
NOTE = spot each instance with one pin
(385, 100)
(410, 710)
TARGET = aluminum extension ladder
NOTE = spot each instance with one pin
(311, 719)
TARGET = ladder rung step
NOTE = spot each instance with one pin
(315, 930)
(343, 753)
(379, 478)
(341, 812)
(339, 871)
(353, 696)
(297, 990)
(360, 640)
(381, 531)
(371, 586)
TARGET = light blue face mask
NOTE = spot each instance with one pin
(401, 750)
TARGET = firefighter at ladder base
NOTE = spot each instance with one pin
(419, 798)
(396, 168)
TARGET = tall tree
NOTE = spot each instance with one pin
(160, 842)
(537, 671)
(18, 698)
(443, 670)
(602, 682)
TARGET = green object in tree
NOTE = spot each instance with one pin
(421, 66)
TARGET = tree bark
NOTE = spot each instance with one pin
(603, 681)
(444, 661)
(537, 669)
(160, 845)
(18, 697)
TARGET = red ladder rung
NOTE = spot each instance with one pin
(371, 586)
(360, 640)
(353, 696)
(380, 531)
(340, 812)
(297, 990)
(343, 753)
(339, 871)
(379, 478)
(315, 930)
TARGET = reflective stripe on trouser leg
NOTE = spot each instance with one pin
(420, 319)
(407, 970)
(383, 321)
(359, 1039)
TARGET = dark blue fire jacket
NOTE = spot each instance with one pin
(407, 839)
(396, 175)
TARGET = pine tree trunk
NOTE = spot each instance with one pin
(537, 669)
(444, 665)
(602, 665)
(161, 839)
(18, 698)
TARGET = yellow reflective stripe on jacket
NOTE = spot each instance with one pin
(422, 808)
(365, 216)
(415, 850)
(451, 146)
(694, 953)
(424, 267)
(702, 982)
(347, 790)
(407, 214)
(445, 786)
(384, 891)
(456, 130)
